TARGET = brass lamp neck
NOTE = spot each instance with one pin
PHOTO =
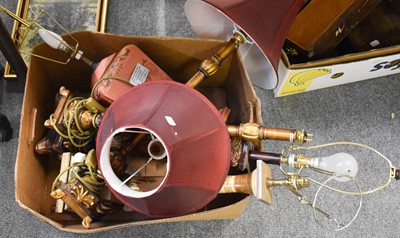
(15, 17)
(297, 161)
(253, 132)
(295, 181)
(210, 66)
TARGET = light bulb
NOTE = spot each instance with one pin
(53, 39)
(340, 164)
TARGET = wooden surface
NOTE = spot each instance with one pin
(379, 29)
(322, 24)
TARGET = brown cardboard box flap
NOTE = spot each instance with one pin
(228, 212)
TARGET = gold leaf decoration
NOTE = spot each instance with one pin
(82, 195)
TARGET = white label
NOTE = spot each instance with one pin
(139, 75)
(170, 121)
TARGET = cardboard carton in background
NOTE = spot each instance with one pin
(366, 30)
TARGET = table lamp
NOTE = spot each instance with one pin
(265, 23)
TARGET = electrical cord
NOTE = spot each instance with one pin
(94, 184)
(76, 135)
(332, 175)
(124, 80)
(79, 137)
(84, 136)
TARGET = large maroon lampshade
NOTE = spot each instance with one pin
(195, 139)
(266, 23)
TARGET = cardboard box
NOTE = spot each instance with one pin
(298, 78)
(372, 60)
(180, 59)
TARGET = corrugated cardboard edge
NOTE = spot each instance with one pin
(19, 151)
(231, 212)
(342, 59)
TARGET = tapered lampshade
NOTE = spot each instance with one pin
(190, 132)
(266, 23)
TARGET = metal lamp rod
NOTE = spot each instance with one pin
(17, 18)
(11, 53)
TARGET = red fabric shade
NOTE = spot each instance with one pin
(266, 22)
(194, 135)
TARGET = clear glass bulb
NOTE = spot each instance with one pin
(340, 164)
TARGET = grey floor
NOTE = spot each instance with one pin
(360, 112)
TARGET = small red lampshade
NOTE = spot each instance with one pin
(195, 139)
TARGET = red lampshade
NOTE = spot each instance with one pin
(195, 139)
(266, 23)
